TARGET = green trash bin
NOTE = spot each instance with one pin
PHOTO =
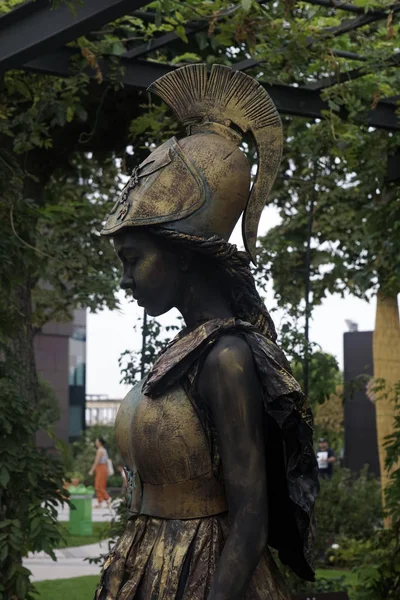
(80, 515)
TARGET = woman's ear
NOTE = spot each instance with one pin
(185, 260)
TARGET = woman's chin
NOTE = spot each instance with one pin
(154, 311)
(150, 310)
(153, 308)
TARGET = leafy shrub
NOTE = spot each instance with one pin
(349, 553)
(115, 481)
(379, 575)
(31, 481)
(299, 586)
(348, 506)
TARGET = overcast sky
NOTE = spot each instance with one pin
(109, 333)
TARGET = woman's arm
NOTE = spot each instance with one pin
(229, 384)
(96, 461)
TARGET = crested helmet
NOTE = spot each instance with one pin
(201, 184)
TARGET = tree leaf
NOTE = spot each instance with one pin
(4, 477)
(180, 32)
(70, 113)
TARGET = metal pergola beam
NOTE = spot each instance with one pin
(360, 21)
(325, 82)
(139, 74)
(308, 103)
(34, 29)
(345, 6)
(160, 42)
(249, 63)
(190, 29)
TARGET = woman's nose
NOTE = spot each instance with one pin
(127, 282)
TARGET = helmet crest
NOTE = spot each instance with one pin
(230, 98)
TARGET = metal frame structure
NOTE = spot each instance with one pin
(33, 37)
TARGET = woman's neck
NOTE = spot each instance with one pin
(203, 301)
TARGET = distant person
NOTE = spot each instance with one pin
(326, 458)
(100, 468)
(122, 472)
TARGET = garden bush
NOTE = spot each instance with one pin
(31, 481)
(322, 584)
(348, 506)
(379, 574)
(348, 553)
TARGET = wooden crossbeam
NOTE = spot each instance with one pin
(289, 100)
(34, 29)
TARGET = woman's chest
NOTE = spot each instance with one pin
(162, 438)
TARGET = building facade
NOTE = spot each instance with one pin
(77, 376)
(60, 352)
(360, 437)
(101, 410)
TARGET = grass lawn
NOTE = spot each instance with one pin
(351, 577)
(100, 532)
(77, 588)
(82, 588)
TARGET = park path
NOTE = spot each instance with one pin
(70, 561)
(99, 515)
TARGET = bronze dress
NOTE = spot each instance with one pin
(180, 520)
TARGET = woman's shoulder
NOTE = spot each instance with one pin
(228, 350)
(230, 357)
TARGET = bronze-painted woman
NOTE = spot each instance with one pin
(217, 439)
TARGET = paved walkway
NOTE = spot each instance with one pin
(70, 561)
(98, 514)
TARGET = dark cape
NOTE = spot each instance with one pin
(292, 471)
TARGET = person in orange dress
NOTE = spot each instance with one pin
(100, 468)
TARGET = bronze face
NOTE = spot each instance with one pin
(151, 270)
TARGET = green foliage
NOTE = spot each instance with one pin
(115, 481)
(71, 253)
(157, 337)
(324, 376)
(350, 553)
(30, 484)
(348, 506)
(76, 588)
(348, 513)
(355, 243)
(48, 405)
(8, 5)
(329, 420)
(322, 584)
(379, 574)
(100, 532)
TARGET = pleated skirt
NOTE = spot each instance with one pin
(167, 559)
